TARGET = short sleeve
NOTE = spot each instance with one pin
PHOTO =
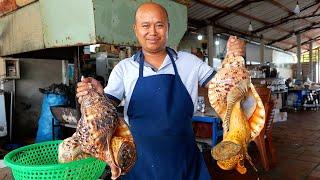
(205, 73)
(115, 87)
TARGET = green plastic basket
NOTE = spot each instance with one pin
(40, 161)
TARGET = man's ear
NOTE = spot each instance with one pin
(134, 27)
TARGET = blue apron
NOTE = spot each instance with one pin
(160, 112)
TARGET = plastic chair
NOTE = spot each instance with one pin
(215, 121)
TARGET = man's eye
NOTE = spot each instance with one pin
(160, 25)
(145, 26)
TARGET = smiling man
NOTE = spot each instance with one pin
(160, 107)
(160, 90)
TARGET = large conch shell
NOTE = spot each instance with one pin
(237, 103)
(100, 133)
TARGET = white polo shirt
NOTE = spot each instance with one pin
(124, 76)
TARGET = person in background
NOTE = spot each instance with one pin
(160, 89)
(288, 82)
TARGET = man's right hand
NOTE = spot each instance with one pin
(85, 85)
(236, 46)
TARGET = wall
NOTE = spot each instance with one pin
(34, 74)
(253, 53)
(190, 41)
(285, 70)
(221, 48)
(282, 60)
(305, 71)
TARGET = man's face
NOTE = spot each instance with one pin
(151, 28)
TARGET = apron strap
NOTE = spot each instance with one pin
(141, 64)
(140, 55)
(170, 53)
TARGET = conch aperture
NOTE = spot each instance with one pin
(100, 133)
(237, 103)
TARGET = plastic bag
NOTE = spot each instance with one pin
(45, 121)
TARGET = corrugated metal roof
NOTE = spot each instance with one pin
(240, 21)
(314, 32)
(295, 25)
(274, 34)
(263, 13)
(201, 12)
(225, 3)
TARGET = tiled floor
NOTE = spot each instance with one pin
(297, 143)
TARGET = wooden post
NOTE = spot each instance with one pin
(210, 45)
(262, 51)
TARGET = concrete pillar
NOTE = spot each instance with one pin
(216, 50)
(310, 62)
(262, 51)
(211, 48)
(299, 70)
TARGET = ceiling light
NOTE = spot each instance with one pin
(217, 43)
(250, 28)
(200, 37)
(297, 9)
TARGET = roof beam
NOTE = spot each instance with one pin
(285, 8)
(281, 6)
(306, 42)
(199, 24)
(245, 34)
(284, 20)
(314, 12)
(303, 17)
(290, 12)
(214, 6)
(231, 9)
(295, 32)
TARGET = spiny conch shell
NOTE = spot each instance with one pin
(237, 103)
(69, 150)
(101, 134)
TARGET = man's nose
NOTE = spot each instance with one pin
(152, 30)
